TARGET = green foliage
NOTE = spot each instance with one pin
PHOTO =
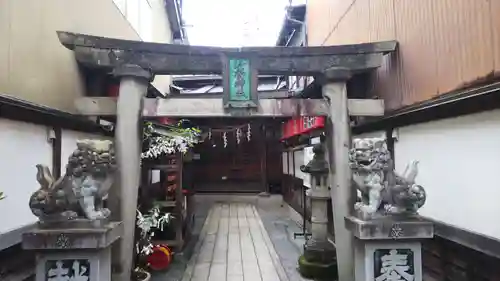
(148, 130)
(2, 196)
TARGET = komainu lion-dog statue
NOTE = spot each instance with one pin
(383, 191)
(80, 192)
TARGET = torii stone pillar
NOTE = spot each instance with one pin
(128, 140)
(342, 193)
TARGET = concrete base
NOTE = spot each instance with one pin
(388, 248)
(67, 254)
(390, 227)
(318, 271)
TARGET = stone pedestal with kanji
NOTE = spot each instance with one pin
(78, 250)
(389, 248)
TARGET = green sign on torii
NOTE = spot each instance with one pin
(239, 80)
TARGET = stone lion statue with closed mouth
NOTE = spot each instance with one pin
(80, 192)
(383, 191)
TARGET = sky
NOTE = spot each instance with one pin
(234, 23)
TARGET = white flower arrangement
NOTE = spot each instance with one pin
(180, 141)
(148, 223)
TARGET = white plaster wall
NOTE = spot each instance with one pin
(22, 146)
(68, 144)
(459, 168)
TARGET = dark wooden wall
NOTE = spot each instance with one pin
(243, 167)
(443, 45)
(273, 159)
(445, 260)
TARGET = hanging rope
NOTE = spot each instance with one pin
(227, 129)
(237, 131)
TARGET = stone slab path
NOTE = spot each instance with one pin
(234, 246)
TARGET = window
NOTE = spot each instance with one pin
(284, 157)
(290, 163)
(299, 161)
(292, 82)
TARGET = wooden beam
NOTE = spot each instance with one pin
(190, 107)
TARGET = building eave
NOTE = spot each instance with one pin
(17, 109)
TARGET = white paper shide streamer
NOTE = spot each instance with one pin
(238, 135)
(249, 132)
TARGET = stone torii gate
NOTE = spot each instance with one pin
(136, 63)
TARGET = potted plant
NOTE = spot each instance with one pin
(147, 224)
(2, 196)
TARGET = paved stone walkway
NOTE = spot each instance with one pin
(234, 246)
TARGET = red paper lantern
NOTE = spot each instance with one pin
(161, 258)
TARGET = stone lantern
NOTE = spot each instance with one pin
(319, 258)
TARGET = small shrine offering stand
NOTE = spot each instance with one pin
(174, 199)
